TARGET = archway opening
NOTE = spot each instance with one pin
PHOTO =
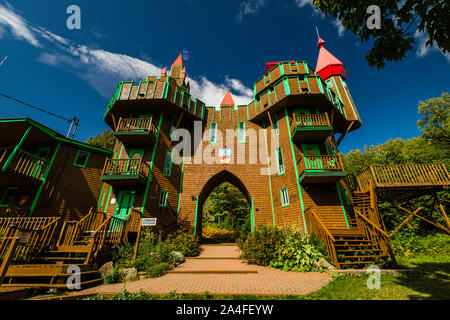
(224, 209)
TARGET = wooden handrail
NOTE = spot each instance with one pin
(7, 251)
(320, 163)
(371, 223)
(135, 124)
(323, 226)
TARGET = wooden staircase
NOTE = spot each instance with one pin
(84, 244)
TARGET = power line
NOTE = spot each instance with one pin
(37, 108)
(3, 60)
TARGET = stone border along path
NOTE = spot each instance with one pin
(219, 271)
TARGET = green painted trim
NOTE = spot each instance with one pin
(101, 198)
(311, 174)
(151, 164)
(296, 172)
(196, 213)
(107, 201)
(252, 217)
(181, 184)
(319, 82)
(312, 129)
(2, 203)
(276, 131)
(13, 153)
(166, 89)
(281, 194)
(248, 114)
(268, 168)
(287, 89)
(44, 179)
(85, 162)
(342, 205)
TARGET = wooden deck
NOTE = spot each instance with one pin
(404, 181)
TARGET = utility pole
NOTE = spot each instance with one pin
(74, 124)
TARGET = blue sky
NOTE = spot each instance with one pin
(225, 44)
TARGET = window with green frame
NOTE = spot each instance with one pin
(168, 164)
(81, 159)
(163, 198)
(275, 125)
(284, 197)
(8, 196)
(280, 162)
(213, 132)
(241, 132)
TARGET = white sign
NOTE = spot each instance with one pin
(148, 222)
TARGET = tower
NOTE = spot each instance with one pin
(334, 73)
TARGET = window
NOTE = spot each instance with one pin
(241, 132)
(168, 164)
(8, 196)
(280, 162)
(284, 197)
(163, 197)
(81, 159)
(213, 133)
(275, 125)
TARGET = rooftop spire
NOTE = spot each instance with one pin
(227, 100)
(178, 62)
(327, 64)
(164, 72)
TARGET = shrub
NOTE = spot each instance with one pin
(177, 257)
(297, 253)
(158, 270)
(186, 243)
(113, 276)
(220, 234)
(261, 245)
(408, 244)
(122, 255)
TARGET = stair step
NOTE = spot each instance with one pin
(54, 285)
(63, 258)
(26, 275)
(357, 250)
(358, 262)
(358, 257)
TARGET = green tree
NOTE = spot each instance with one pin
(105, 140)
(228, 203)
(399, 22)
(435, 122)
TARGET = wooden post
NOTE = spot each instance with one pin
(445, 215)
(404, 221)
(138, 238)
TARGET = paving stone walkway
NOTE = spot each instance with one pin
(219, 271)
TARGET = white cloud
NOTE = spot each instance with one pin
(339, 26)
(17, 25)
(102, 69)
(249, 7)
(302, 3)
(423, 49)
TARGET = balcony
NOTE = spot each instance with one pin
(321, 169)
(125, 172)
(22, 169)
(310, 127)
(136, 130)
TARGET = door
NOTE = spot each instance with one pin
(134, 155)
(124, 204)
(303, 121)
(312, 163)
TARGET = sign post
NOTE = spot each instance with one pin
(145, 222)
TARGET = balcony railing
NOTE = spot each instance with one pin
(125, 168)
(321, 163)
(133, 125)
(311, 120)
(23, 164)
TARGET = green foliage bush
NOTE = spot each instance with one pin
(261, 245)
(409, 244)
(186, 243)
(113, 276)
(297, 253)
(122, 255)
(158, 270)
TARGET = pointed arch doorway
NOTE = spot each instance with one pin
(216, 180)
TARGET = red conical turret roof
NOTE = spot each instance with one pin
(164, 72)
(178, 61)
(327, 64)
(227, 100)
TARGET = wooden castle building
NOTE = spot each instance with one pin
(42, 173)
